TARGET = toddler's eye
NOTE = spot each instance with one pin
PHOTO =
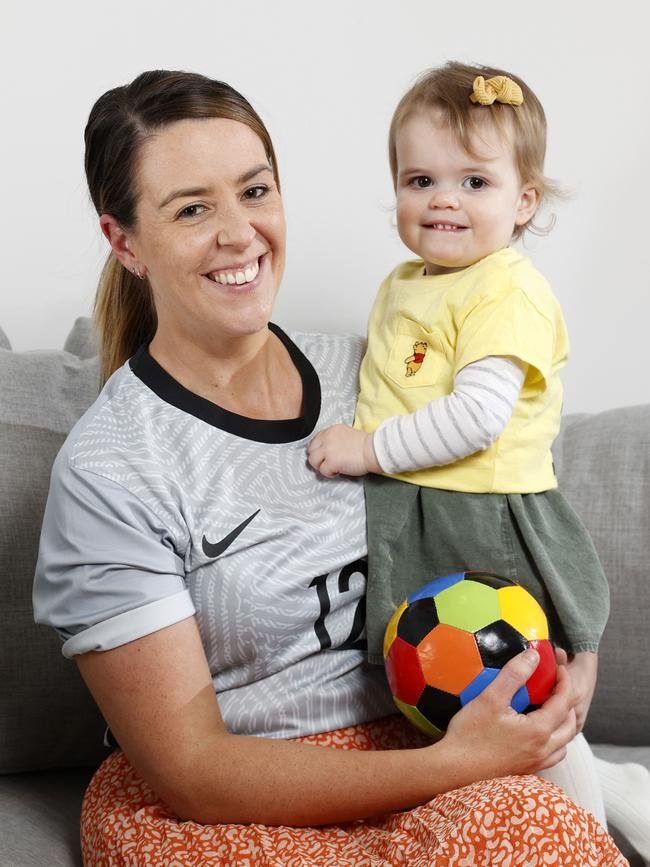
(421, 182)
(256, 192)
(474, 183)
(191, 211)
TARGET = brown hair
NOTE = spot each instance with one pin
(447, 88)
(120, 122)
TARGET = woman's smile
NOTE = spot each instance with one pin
(210, 230)
(236, 274)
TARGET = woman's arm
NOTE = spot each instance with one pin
(157, 695)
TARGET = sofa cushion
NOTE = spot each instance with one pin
(47, 717)
(39, 817)
(82, 340)
(603, 465)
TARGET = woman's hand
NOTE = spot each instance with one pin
(583, 669)
(487, 738)
(343, 449)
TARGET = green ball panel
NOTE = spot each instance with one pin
(414, 716)
(468, 605)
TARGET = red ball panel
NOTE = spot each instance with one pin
(541, 684)
(403, 670)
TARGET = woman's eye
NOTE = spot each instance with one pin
(421, 182)
(474, 183)
(256, 192)
(192, 211)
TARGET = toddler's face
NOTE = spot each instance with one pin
(454, 208)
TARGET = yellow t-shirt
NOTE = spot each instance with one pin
(424, 329)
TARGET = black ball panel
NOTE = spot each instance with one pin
(489, 579)
(499, 642)
(417, 621)
(438, 706)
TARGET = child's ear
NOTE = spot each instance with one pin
(528, 203)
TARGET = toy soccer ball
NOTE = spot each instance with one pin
(447, 641)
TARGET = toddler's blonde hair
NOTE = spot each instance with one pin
(447, 89)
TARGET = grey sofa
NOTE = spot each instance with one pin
(51, 732)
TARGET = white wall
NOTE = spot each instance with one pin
(326, 77)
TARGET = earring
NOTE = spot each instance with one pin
(138, 274)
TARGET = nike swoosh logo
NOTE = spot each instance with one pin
(211, 549)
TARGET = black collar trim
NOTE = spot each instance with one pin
(289, 430)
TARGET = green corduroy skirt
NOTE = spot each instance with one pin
(417, 534)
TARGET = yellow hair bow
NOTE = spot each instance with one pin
(499, 89)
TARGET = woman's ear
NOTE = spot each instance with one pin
(528, 202)
(119, 242)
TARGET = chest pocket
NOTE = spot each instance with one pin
(417, 357)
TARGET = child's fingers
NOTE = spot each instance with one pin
(326, 469)
(322, 463)
(315, 457)
(560, 656)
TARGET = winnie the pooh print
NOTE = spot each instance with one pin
(414, 362)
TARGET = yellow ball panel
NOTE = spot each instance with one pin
(391, 629)
(521, 610)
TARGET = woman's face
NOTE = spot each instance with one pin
(210, 230)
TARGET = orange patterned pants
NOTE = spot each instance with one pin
(513, 820)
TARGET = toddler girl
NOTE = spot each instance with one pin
(460, 394)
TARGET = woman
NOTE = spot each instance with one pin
(188, 551)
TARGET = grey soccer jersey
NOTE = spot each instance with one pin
(163, 505)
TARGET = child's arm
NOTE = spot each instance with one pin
(441, 432)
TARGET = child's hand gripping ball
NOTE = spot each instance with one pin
(447, 641)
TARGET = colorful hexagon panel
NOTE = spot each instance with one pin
(540, 684)
(523, 612)
(468, 605)
(442, 644)
(403, 671)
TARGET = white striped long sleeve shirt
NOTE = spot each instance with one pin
(457, 425)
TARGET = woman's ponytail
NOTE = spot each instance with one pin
(124, 315)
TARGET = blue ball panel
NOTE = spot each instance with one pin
(478, 684)
(520, 700)
(435, 587)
